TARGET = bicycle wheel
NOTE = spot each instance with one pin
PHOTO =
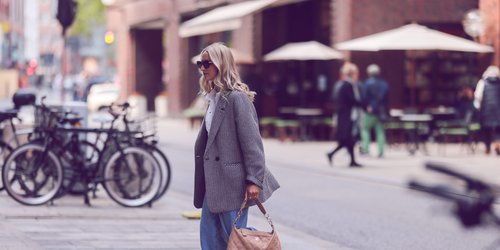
(164, 168)
(132, 178)
(89, 155)
(32, 174)
(5, 150)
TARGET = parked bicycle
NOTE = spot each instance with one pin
(145, 139)
(35, 174)
(8, 119)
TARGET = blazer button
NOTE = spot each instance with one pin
(198, 156)
(217, 158)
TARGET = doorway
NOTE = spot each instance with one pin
(149, 53)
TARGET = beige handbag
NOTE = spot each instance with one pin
(242, 238)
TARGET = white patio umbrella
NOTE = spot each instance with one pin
(413, 37)
(303, 51)
(239, 57)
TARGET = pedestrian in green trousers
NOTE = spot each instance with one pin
(369, 122)
(375, 98)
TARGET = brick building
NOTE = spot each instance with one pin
(491, 13)
(153, 54)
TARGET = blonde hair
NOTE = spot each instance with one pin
(227, 78)
(348, 69)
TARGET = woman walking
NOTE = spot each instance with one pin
(229, 155)
(487, 99)
(346, 102)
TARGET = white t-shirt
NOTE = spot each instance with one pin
(213, 98)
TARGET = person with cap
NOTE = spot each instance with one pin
(376, 101)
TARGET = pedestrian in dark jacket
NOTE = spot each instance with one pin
(345, 102)
(229, 155)
(464, 106)
(489, 111)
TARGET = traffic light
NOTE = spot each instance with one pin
(31, 69)
(109, 37)
(66, 11)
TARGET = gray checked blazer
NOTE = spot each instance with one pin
(230, 155)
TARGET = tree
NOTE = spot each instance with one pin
(90, 13)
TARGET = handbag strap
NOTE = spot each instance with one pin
(261, 208)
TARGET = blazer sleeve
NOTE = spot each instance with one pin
(247, 130)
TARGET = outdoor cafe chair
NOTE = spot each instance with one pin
(463, 131)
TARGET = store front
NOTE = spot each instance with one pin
(440, 75)
(239, 27)
(139, 47)
(418, 79)
(296, 83)
(148, 63)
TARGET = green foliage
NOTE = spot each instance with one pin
(89, 14)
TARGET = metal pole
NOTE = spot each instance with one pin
(63, 67)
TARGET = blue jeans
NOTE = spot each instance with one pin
(215, 228)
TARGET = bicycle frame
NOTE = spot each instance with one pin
(93, 175)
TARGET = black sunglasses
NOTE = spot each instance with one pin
(205, 64)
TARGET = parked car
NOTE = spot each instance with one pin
(95, 80)
(102, 95)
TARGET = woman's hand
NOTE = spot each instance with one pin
(252, 192)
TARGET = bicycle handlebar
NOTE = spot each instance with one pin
(438, 190)
(472, 183)
(469, 209)
(123, 106)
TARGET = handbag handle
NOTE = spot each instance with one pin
(261, 208)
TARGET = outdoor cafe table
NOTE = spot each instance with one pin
(442, 112)
(418, 120)
(287, 112)
(306, 116)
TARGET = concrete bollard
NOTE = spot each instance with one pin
(139, 105)
(161, 105)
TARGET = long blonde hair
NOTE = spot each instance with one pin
(227, 78)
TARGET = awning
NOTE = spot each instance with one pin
(226, 17)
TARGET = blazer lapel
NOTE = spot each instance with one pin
(220, 111)
(201, 140)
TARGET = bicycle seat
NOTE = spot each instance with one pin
(23, 98)
(70, 120)
(5, 115)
